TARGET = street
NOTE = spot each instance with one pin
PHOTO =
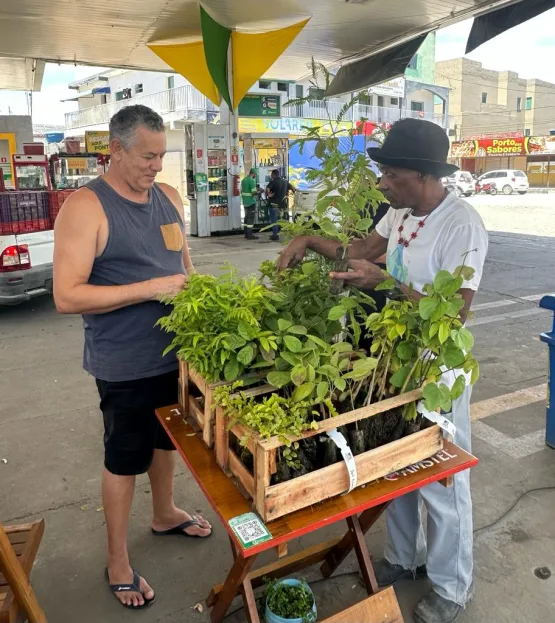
(51, 448)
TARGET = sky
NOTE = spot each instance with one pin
(528, 49)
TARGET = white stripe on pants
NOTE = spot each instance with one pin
(449, 527)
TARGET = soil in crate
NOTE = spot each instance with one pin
(320, 451)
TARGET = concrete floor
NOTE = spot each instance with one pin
(50, 436)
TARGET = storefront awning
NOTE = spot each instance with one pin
(488, 26)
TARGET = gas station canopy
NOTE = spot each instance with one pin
(117, 33)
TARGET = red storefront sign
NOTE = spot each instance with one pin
(492, 147)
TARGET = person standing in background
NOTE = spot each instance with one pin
(248, 196)
(277, 190)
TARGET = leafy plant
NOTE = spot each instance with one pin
(216, 322)
(290, 601)
(417, 342)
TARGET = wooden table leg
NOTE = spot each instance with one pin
(338, 554)
(234, 583)
(363, 556)
(249, 600)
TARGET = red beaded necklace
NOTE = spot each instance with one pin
(406, 241)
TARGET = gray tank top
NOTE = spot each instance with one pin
(145, 241)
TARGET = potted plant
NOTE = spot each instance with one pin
(289, 601)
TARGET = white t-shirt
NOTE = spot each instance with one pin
(451, 230)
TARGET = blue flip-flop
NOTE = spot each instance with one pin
(135, 587)
(180, 530)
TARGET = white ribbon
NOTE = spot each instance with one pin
(348, 457)
(445, 424)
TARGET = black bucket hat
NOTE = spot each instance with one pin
(417, 145)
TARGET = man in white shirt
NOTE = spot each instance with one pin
(426, 230)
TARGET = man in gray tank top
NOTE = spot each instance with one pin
(120, 247)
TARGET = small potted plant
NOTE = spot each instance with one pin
(289, 601)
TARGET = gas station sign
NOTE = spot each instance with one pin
(260, 106)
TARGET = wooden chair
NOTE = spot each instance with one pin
(18, 549)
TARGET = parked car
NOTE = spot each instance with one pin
(507, 181)
(460, 182)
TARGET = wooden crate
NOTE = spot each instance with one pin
(273, 501)
(202, 410)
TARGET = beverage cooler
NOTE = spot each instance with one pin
(215, 207)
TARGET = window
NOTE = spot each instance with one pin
(527, 132)
(264, 84)
(394, 101)
(519, 104)
(413, 64)
(528, 103)
(316, 93)
(417, 106)
(119, 96)
(519, 174)
(365, 99)
(282, 86)
(138, 88)
(380, 101)
(484, 98)
(170, 82)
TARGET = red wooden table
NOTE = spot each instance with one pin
(361, 508)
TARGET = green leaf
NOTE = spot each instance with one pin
(442, 278)
(235, 341)
(303, 392)
(453, 287)
(445, 398)
(310, 372)
(405, 350)
(431, 396)
(336, 313)
(453, 356)
(458, 387)
(246, 354)
(340, 383)
(341, 347)
(475, 375)
(246, 331)
(283, 324)
(328, 227)
(278, 379)
(319, 149)
(439, 311)
(443, 332)
(398, 379)
(298, 374)
(466, 272)
(232, 369)
(400, 328)
(463, 338)
(298, 329)
(263, 364)
(455, 307)
(309, 268)
(426, 307)
(293, 343)
(319, 342)
(290, 357)
(364, 224)
(329, 371)
(322, 390)
(434, 328)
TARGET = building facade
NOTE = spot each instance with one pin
(483, 102)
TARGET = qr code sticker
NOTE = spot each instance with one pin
(250, 529)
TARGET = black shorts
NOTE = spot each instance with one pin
(131, 429)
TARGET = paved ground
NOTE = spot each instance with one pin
(50, 436)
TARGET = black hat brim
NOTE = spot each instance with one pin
(430, 167)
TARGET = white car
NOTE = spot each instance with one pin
(507, 181)
(461, 182)
(25, 266)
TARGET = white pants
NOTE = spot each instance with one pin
(448, 555)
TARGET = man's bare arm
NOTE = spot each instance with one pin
(177, 201)
(75, 249)
(370, 248)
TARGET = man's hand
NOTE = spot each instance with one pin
(167, 287)
(364, 274)
(293, 253)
